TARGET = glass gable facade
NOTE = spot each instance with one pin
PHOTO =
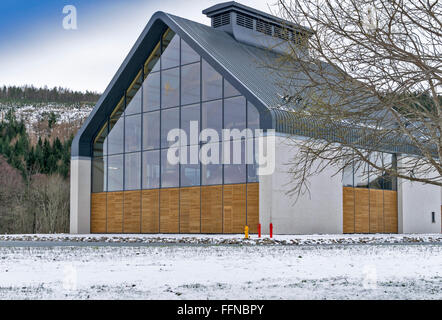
(175, 86)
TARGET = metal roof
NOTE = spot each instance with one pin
(244, 66)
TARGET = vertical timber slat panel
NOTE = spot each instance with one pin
(211, 209)
(169, 210)
(376, 211)
(190, 213)
(253, 207)
(98, 212)
(132, 211)
(362, 205)
(115, 212)
(390, 211)
(234, 208)
(349, 210)
(150, 211)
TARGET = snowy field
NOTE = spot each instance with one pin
(382, 270)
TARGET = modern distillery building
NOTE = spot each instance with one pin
(181, 71)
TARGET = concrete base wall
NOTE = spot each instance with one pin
(80, 196)
(319, 211)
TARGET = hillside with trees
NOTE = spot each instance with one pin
(37, 126)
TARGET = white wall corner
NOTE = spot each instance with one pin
(80, 201)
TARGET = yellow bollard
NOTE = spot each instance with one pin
(246, 232)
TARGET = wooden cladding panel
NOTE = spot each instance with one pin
(115, 212)
(348, 210)
(132, 212)
(169, 210)
(98, 212)
(376, 210)
(211, 209)
(190, 210)
(362, 207)
(253, 207)
(234, 217)
(390, 211)
(150, 211)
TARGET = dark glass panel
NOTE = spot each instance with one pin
(235, 113)
(115, 172)
(151, 169)
(188, 114)
(169, 172)
(236, 171)
(116, 137)
(132, 171)
(212, 116)
(188, 55)
(153, 62)
(152, 92)
(99, 174)
(252, 117)
(132, 134)
(170, 119)
(229, 90)
(212, 172)
(170, 91)
(171, 50)
(100, 144)
(190, 84)
(133, 99)
(347, 176)
(212, 83)
(360, 175)
(151, 130)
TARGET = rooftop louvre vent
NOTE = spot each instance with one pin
(244, 21)
(257, 28)
(221, 20)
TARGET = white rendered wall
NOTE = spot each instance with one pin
(416, 202)
(317, 212)
(80, 195)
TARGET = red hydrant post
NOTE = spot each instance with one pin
(259, 230)
(271, 229)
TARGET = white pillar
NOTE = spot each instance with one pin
(80, 211)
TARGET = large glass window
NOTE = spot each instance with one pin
(115, 172)
(170, 119)
(100, 144)
(171, 50)
(130, 150)
(212, 117)
(211, 168)
(236, 172)
(170, 173)
(190, 84)
(188, 55)
(170, 91)
(151, 169)
(115, 137)
(190, 171)
(132, 165)
(135, 104)
(99, 174)
(229, 90)
(212, 83)
(132, 134)
(235, 113)
(151, 130)
(188, 114)
(152, 92)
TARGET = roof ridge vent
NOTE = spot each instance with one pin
(255, 27)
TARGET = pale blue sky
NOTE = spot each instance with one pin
(35, 49)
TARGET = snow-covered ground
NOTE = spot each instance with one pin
(400, 270)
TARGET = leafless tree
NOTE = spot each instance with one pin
(371, 81)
